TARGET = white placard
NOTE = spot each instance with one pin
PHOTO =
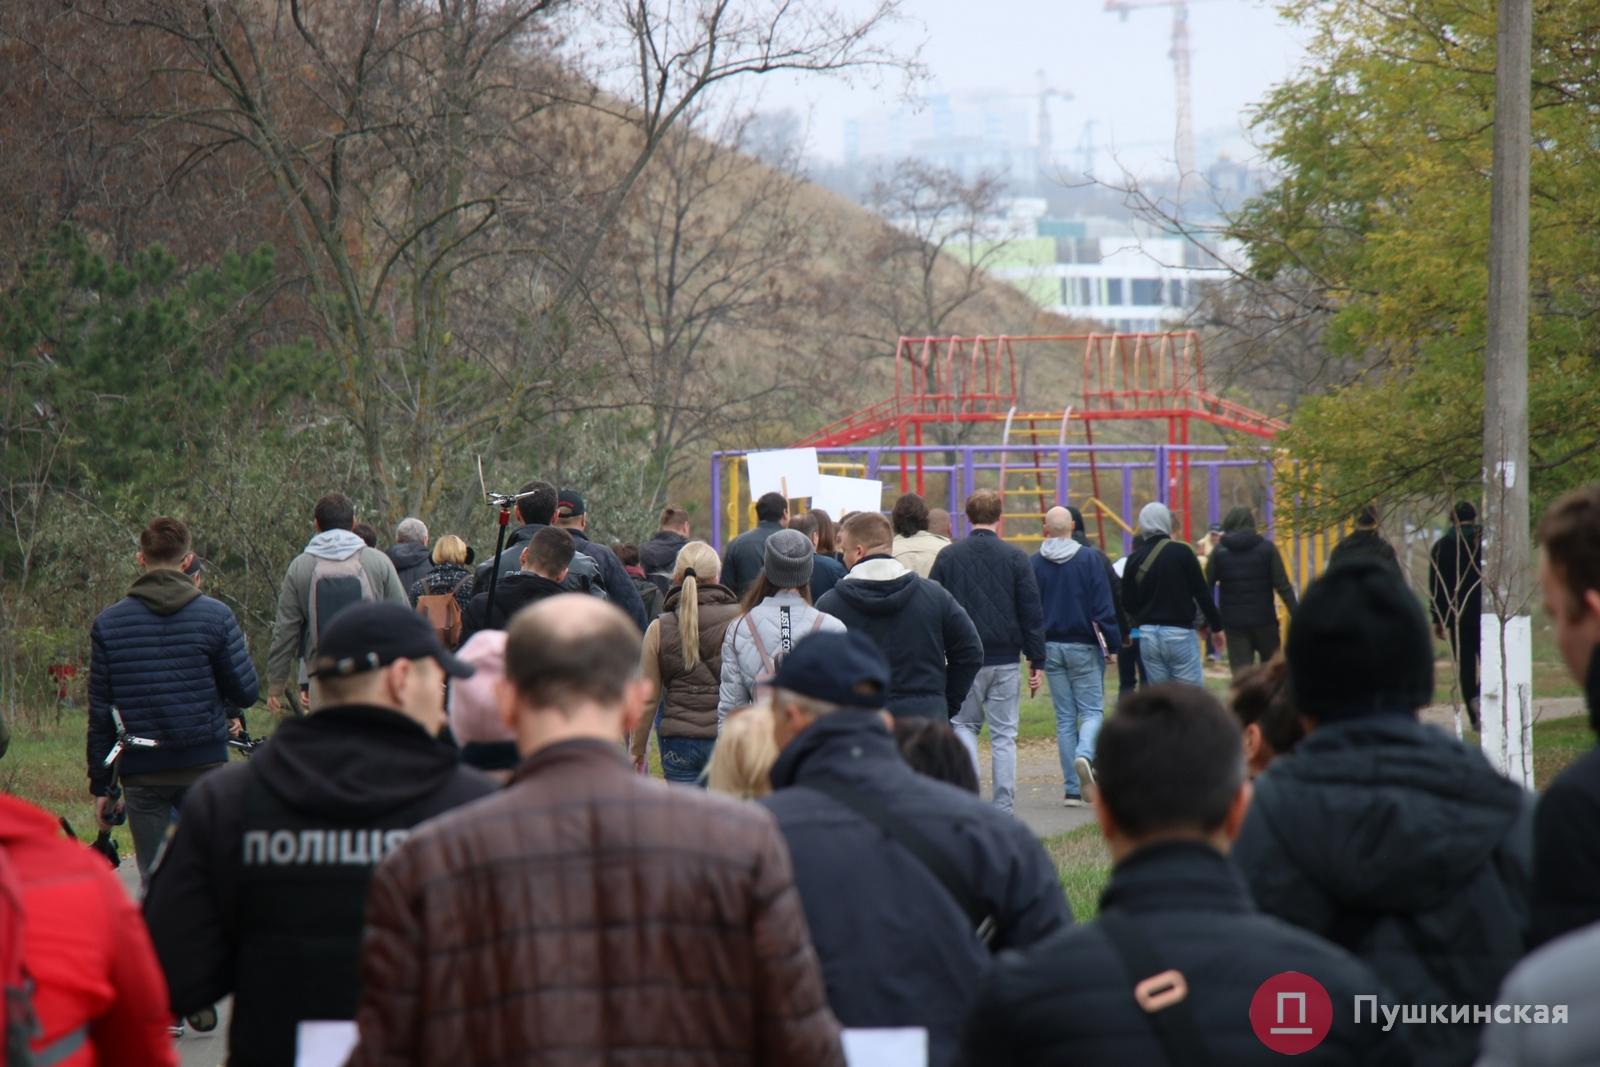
(325, 1044)
(792, 471)
(886, 1048)
(840, 496)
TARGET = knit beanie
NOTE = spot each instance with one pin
(788, 559)
(1359, 646)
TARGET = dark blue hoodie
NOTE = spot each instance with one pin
(933, 649)
(1076, 594)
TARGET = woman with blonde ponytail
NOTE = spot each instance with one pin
(683, 660)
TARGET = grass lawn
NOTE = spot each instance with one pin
(1084, 865)
(45, 765)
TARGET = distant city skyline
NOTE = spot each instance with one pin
(1118, 72)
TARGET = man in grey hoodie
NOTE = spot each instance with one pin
(337, 569)
(1081, 633)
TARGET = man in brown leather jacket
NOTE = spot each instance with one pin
(585, 913)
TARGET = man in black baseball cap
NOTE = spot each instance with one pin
(572, 515)
(892, 865)
(262, 891)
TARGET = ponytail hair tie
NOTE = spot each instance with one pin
(688, 572)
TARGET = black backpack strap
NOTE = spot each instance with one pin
(1161, 993)
(938, 863)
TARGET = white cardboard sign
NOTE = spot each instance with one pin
(840, 496)
(790, 471)
(325, 1044)
(886, 1048)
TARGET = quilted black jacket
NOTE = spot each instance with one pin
(1068, 999)
(896, 948)
(1402, 844)
(993, 581)
(172, 662)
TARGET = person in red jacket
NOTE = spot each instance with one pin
(99, 995)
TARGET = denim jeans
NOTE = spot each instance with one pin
(684, 759)
(995, 698)
(1171, 654)
(150, 809)
(1077, 675)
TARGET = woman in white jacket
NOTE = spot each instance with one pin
(777, 615)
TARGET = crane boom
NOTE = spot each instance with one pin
(1182, 78)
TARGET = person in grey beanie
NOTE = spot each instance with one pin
(777, 613)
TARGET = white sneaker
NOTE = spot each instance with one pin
(1086, 782)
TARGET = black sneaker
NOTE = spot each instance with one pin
(1073, 800)
(1086, 782)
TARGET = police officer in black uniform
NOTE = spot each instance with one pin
(262, 890)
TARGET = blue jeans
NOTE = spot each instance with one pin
(1077, 675)
(1171, 654)
(684, 759)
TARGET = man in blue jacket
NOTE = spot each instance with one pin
(173, 662)
(908, 883)
(1080, 632)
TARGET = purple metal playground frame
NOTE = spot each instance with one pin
(976, 459)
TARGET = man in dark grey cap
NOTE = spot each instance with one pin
(908, 884)
(262, 891)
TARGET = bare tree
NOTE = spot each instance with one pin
(416, 152)
(704, 279)
(1266, 340)
(933, 253)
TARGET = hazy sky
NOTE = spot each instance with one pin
(1118, 71)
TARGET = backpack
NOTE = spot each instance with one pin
(769, 663)
(336, 585)
(443, 612)
(650, 595)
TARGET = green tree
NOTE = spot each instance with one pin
(129, 389)
(1380, 226)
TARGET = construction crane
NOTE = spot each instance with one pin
(1182, 76)
(1046, 134)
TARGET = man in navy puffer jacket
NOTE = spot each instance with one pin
(172, 662)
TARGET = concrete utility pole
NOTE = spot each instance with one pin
(1507, 554)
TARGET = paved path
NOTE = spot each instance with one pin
(1038, 801)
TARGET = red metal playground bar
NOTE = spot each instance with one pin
(1048, 457)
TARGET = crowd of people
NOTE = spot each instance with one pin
(452, 837)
